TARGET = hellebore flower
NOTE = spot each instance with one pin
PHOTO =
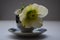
(31, 15)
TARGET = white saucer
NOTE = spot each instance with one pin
(35, 32)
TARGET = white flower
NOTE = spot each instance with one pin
(18, 11)
(32, 15)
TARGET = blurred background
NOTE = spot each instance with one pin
(7, 8)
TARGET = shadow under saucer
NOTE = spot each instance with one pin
(40, 37)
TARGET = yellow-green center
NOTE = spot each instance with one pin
(31, 15)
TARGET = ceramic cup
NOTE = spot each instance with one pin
(19, 25)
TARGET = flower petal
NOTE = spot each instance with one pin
(38, 23)
(42, 11)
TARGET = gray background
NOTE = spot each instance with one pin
(7, 8)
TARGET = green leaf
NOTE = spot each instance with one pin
(22, 7)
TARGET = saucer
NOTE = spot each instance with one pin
(35, 32)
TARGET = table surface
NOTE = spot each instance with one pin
(52, 33)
